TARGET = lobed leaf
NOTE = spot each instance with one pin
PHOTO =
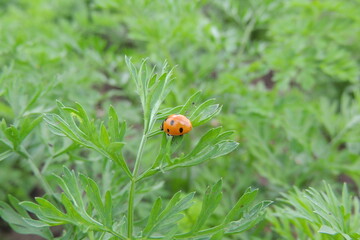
(246, 199)
(189, 106)
(84, 132)
(211, 200)
(167, 218)
(21, 224)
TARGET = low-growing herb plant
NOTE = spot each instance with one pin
(320, 215)
(88, 208)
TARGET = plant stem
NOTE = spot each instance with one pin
(204, 232)
(139, 155)
(36, 172)
(249, 28)
(132, 186)
(91, 235)
(116, 234)
(88, 11)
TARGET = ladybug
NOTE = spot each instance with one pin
(176, 125)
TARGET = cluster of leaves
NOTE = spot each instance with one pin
(93, 215)
(108, 142)
(90, 212)
(312, 214)
(318, 138)
(78, 210)
(286, 73)
(39, 65)
(317, 47)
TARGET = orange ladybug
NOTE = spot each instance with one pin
(176, 125)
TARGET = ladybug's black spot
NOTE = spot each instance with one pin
(172, 122)
(168, 130)
(181, 130)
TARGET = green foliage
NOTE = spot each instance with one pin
(88, 214)
(307, 51)
(21, 221)
(107, 142)
(285, 78)
(317, 215)
(313, 134)
(91, 212)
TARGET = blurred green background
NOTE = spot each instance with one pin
(286, 72)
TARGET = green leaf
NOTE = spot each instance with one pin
(157, 95)
(162, 152)
(224, 135)
(108, 208)
(35, 223)
(27, 125)
(48, 209)
(211, 145)
(190, 104)
(176, 143)
(201, 108)
(6, 154)
(74, 215)
(12, 133)
(206, 140)
(249, 219)
(154, 213)
(31, 207)
(132, 69)
(225, 147)
(88, 212)
(313, 208)
(104, 135)
(93, 193)
(211, 200)
(46, 212)
(327, 230)
(164, 113)
(195, 160)
(83, 115)
(15, 203)
(21, 224)
(115, 147)
(207, 114)
(170, 215)
(70, 186)
(207, 148)
(241, 205)
(203, 113)
(218, 236)
(84, 132)
(116, 130)
(59, 127)
(140, 81)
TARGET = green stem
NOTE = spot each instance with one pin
(36, 172)
(249, 28)
(88, 11)
(203, 233)
(116, 234)
(91, 235)
(133, 187)
(139, 155)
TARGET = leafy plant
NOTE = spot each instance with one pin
(285, 75)
(314, 214)
(311, 55)
(85, 209)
